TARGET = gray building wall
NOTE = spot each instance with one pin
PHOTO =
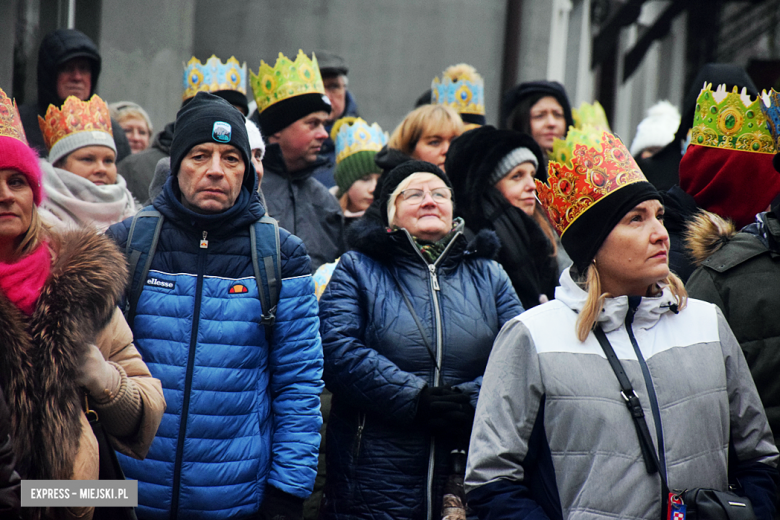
(7, 36)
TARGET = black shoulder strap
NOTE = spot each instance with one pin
(266, 262)
(140, 248)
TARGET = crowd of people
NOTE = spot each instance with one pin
(272, 308)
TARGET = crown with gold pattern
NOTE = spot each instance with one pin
(599, 164)
(461, 88)
(771, 109)
(76, 123)
(353, 135)
(286, 79)
(213, 76)
(10, 120)
(590, 115)
(731, 121)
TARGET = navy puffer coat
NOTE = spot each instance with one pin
(376, 363)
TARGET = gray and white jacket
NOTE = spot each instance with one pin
(553, 438)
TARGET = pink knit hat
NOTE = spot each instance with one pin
(15, 154)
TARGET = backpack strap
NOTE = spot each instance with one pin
(140, 248)
(266, 262)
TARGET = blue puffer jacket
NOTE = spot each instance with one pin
(240, 414)
(380, 462)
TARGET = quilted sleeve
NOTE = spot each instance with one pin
(353, 370)
(295, 364)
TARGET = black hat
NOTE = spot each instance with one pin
(536, 89)
(208, 118)
(393, 178)
(283, 113)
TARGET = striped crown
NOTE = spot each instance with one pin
(213, 76)
(286, 79)
(353, 135)
(75, 116)
(599, 164)
(10, 120)
(731, 120)
(461, 88)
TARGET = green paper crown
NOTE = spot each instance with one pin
(591, 115)
(731, 121)
(286, 79)
(563, 150)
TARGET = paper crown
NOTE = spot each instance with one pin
(75, 116)
(10, 120)
(771, 109)
(286, 79)
(598, 164)
(353, 135)
(590, 115)
(213, 76)
(461, 88)
(730, 120)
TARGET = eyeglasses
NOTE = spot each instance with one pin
(415, 197)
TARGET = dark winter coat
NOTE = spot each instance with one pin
(138, 168)
(740, 273)
(328, 150)
(377, 362)
(679, 209)
(57, 48)
(304, 207)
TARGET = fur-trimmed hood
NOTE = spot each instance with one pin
(38, 358)
(706, 234)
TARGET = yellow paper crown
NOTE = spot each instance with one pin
(10, 120)
(74, 117)
(213, 76)
(286, 79)
(730, 120)
(598, 164)
(591, 115)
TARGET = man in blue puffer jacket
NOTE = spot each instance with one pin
(240, 436)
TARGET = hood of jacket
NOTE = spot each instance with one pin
(389, 158)
(162, 141)
(647, 314)
(57, 48)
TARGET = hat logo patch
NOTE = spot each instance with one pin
(325, 99)
(221, 132)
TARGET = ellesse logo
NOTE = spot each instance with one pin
(163, 284)
(238, 289)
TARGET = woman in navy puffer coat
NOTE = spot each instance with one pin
(404, 392)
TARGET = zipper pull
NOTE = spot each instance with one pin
(204, 244)
(432, 269)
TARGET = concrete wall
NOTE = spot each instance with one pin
(394, 48)
(7, 36)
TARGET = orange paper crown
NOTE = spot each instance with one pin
(595, 172)
(10, 121)
(74, 117)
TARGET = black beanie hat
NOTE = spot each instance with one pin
(391, 180)
(540, 88)
(282, 114)
(235, 98)
(208, 118)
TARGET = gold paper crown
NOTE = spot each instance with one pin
(461, 88)
(591, 115)
(730, 120)
(286, 79)
(10, 120)
(75, 116)
(213, 76)
(599, 164)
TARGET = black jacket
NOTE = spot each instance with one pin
(138, 169)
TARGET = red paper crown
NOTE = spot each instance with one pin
(10, 121)
(75, 116)
(595, 172)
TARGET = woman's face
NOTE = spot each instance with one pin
(547, 122)
(94, 163)
(433, 145)
(429, 217)
(137, 133)
(635, 255)
(361, 194)
(16, 203)
(519, 188)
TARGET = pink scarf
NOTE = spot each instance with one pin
(23, 281)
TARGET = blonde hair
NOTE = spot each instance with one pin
(417, 176)
(422, 121)
(594, 303)
(36, 234)
(540, 217)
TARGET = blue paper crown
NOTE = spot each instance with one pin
(461, 88)
(213, 76)
(771, 108)
(352, 135)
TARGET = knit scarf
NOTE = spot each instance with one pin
(23, 280)
(431, 251)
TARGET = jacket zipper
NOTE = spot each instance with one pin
(203, 251)
(650, 390)
(435, 288)
(359, 436)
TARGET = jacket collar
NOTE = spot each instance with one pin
(273, 161)
(647, 313)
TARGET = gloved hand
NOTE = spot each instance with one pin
(278, 505)
(100, 379)
(445, 410)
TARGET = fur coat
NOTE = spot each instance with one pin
(39, 365)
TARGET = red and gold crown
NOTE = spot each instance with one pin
(596, 169)
(10, 121)
(75, 116)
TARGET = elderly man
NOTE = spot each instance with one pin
(68, 65)
(241, 372)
